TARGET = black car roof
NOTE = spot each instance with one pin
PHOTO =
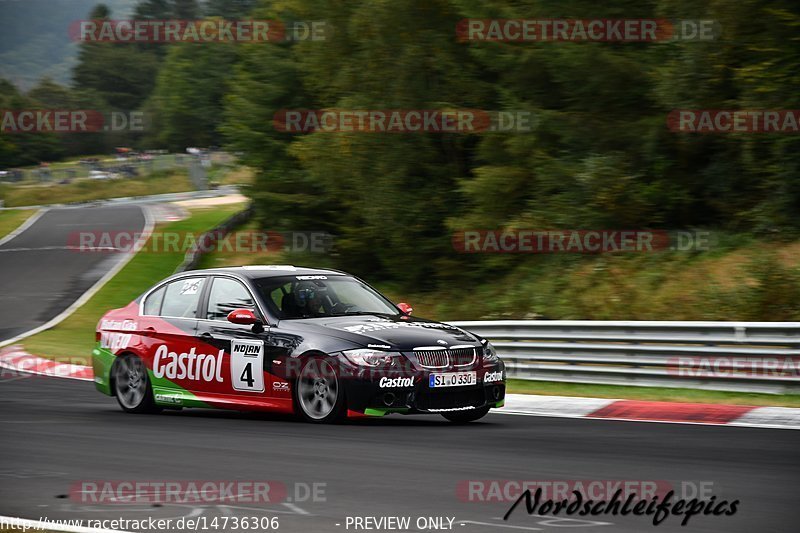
(267, 271)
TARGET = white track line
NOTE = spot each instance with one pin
(148, 230)
(51, 525)
(25, 225)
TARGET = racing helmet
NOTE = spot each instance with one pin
(307, 291)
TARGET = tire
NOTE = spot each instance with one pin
(318, 393)
(464, 417)
(132, 386)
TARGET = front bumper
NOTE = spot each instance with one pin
(102, 361)
(374, 394)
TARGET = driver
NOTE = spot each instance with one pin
(309, 298)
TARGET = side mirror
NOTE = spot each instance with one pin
(405, 308)
(242, 316)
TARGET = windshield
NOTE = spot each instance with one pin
(290, 297)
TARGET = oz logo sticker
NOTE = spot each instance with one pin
(247, 365)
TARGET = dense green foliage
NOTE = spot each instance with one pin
(600, 154)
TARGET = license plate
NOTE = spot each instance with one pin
(453, 379)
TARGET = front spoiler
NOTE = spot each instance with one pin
(365, 396)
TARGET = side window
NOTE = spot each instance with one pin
(152, 306)
(225, 296)
(278, 294)
(282, 299)
(181, 298)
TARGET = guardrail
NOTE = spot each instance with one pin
(121, 167)
(193, 256)
(732, 356)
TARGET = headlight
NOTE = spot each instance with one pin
(489, 353)
(371, 358)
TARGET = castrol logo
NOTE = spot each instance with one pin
(187, 365)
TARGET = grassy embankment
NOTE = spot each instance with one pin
(84, 190)
(11, 219)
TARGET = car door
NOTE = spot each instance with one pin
(246, 367)
(169, 322)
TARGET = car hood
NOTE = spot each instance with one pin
(401, 333)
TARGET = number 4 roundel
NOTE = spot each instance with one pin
(247, 364)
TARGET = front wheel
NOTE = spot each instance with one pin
(132, 387)
(319, 395)
(464, 417)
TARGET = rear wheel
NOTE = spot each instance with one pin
(464, 417)
(319, 396)
(132, 387)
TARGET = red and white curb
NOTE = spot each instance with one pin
(645, 411)
(14, 359)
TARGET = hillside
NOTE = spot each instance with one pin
(33, 46)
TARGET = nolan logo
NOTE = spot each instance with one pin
(246, 349)
(395, 382)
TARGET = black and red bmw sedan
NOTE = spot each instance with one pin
(319, 343)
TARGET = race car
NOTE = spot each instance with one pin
(318, 343)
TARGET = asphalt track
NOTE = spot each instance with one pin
(40, 277)
(56, 432)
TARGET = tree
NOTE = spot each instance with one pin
(229, 9)
(122, 74)
(265, 79)
(186, 9)
(18, 149)
(187, 103)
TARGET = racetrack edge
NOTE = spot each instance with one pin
(16, 360)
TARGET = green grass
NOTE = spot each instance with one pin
(12, 219)
(83, 190)
(742, 280)
(553, 388)
(73, 338)
(231, 175)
